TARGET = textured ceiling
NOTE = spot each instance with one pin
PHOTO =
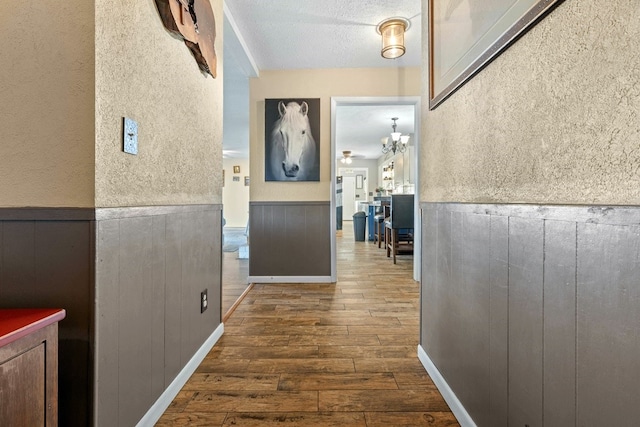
(308, 34)
(294, 34)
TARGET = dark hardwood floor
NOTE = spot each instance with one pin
(340, 354)
(235, 272)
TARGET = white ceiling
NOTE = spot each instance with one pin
(303, 34)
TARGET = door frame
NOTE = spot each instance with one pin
(378, 100)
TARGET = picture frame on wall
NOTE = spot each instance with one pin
(465, 36)
(292, 139)
(236, 169)
(246, 181)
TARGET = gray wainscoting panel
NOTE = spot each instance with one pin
(107, 322)
(290, 239)
(499, 323)
(173, 293)
(525, 321)
(536, 307)
(135, 312)
(130, 280)
(148, 304)
(157, 304)
(608, 325)
(474, 294)
(437, 298)
(559, 324)
(428, 305)
(49, 264)
(454, 246)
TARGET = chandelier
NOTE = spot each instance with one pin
(398, 141)
(346, 157)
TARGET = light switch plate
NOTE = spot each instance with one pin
(130, 136)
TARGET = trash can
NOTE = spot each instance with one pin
(359, 222)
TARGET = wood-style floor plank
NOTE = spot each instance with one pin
(342, 354)
(411, 419)
(304, 419)
(372, 381)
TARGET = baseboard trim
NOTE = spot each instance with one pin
(290, 279)
(237, 303)
(160, 406)
(449, 396)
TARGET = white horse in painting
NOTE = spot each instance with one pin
(293, 150)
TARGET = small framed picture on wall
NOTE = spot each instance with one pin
(236, 169)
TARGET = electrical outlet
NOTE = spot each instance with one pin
(204, 302)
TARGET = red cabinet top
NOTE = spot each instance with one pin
(15, 323)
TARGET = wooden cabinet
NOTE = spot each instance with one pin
(29, 367)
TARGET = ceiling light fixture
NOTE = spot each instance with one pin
(398, 141)
(346, 157)
(392, 31)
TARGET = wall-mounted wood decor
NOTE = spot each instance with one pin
(192, 21)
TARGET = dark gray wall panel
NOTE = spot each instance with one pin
(134, 319)
(525, 321)
(173, 296)
(560, 324)
(440, 300)
(608, 323)
(563, 311)
(290, 239)
(428, 291)
(199, 231)
(120, 279)
(499, 322)
(18, 258)
(48, 264)
(158, 315)
(107, 344)
(160, 262)
(475, 298)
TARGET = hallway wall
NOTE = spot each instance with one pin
(551, 120)
(323, 84)
(235, 195)
(47, 109)
(306, 196)
(124, 243)
(151, 77)
(526, 305)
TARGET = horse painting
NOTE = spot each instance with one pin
(292, 154)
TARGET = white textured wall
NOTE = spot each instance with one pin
(323, 84)
(554, 119)
(144, 73)
(372, 171)
(46, 103)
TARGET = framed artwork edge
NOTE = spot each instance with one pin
(516, 30)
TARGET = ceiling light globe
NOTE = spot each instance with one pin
(392, 31)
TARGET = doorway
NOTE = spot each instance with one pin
(353, 189)
(385, 107)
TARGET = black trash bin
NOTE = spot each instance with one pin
(359, 225)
